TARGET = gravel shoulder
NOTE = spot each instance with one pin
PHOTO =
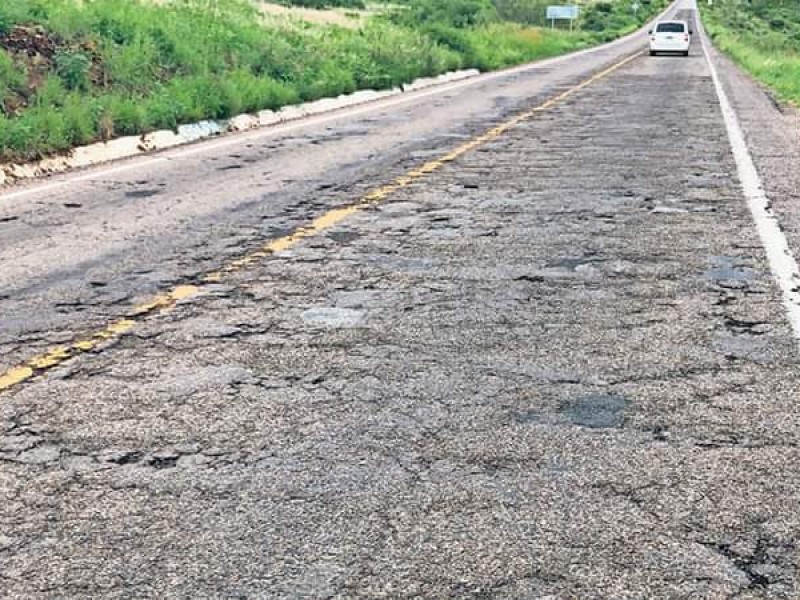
(772, 130)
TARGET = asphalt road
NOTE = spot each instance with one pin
(555, 366)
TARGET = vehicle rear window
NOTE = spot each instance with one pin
(669, 28)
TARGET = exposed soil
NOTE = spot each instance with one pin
(32, 42)
(35, 49)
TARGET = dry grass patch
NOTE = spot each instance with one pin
(351, 19)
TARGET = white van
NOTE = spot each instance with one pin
(670, 36)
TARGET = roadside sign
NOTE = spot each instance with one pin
(562, 13)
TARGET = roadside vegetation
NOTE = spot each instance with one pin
(77, 71)
(762, 36)
(325, 3)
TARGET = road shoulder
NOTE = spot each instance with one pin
(772, 133)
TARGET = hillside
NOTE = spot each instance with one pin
(77, 71)
(764, 38)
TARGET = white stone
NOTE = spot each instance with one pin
(158, 140)
(243, 123)
(106, 151)
(198, 131)
(27, 171)
(364, 96)
(291, 113)
(324, 105)
(268, 117)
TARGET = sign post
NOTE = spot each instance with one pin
(561, 13)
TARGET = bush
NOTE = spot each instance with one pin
(764, 38)
(528, 12)
(610, 19)
(134, 67)
(12, 13)
(455, 13)
(121, 115)
(73, 68)
(12, 79)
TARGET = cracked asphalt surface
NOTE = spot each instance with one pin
(556, 368)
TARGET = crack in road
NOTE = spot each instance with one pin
(165, 301)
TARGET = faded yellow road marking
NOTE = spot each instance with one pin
(93, 342)
(56, 356)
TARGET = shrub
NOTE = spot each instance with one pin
(456, 13)
(133, 67)
(245, 92)
(121, 115)
(73, 68)
(12, 78)
(51, 93)
(764, 38)
(80, 119)
(529, 12)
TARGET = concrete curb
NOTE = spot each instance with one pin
(126, 147)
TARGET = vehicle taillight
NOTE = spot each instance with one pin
(686, 37)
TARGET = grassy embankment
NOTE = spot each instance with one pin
(763, 37)
(77, 71)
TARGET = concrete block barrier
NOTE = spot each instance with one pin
(85, 156)
(243, 123)
(267, 118)
(198, 131)
(292, 113)
(158, 140)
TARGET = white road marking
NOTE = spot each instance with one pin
(272, 131)
(779, 254)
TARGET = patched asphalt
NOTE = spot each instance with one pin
(556, 368)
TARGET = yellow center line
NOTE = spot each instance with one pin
(162, 302)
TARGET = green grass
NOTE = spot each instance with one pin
(12, 80)
(324, 3)
(763, 38)
(106, 68)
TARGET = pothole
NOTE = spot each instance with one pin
(596, 411)
(728, 268)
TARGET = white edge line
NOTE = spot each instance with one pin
(271, 131)
(779, 254)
